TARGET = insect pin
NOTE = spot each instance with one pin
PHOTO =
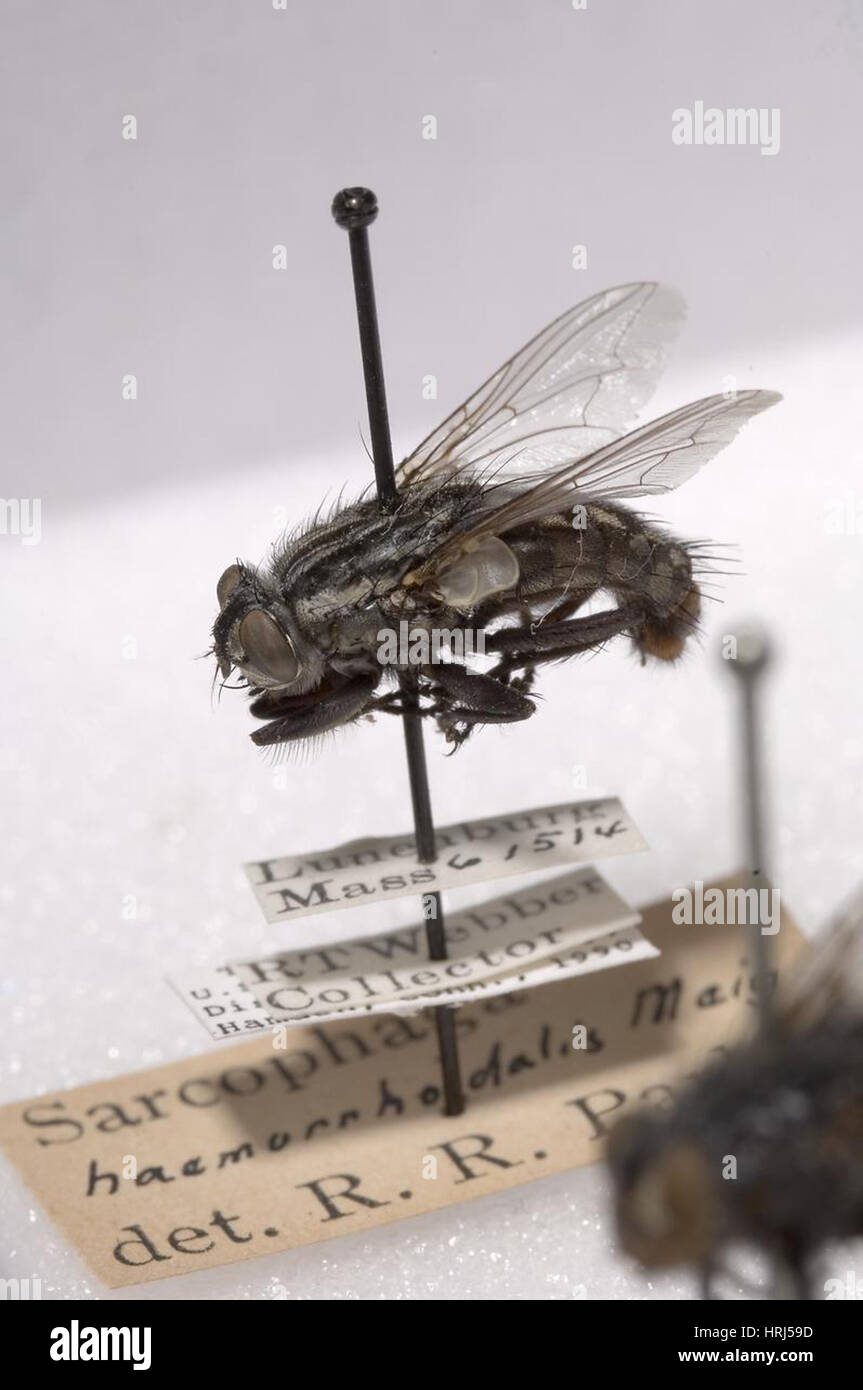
(510, 520)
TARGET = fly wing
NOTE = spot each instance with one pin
(653, 459)
(829, 985)
(573, 388)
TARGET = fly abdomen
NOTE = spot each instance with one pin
(665, 635)
(654, 571)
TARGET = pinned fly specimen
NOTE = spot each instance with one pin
(787, 1109)
(508, 523)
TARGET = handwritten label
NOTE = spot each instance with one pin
(373, 870)
(261, 1148)
(568, 925)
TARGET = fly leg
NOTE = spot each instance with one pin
(528, 647)
(391, 703)
(302, 716)
(394, 703)
(565, 608)
(464, 698)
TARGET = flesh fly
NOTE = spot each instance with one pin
(510, 522)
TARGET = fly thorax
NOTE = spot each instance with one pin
(401, 602)
(333, 602)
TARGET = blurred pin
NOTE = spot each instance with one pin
(749, 662)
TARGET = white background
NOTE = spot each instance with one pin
(120, 777)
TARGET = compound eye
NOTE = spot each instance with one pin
(267, 649)
(228, 583)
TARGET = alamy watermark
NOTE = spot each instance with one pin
(719, 907)
(736, 125)
(419, 646)
(16, 1290)
(77, 1343)
(843, 516)
(851, 1287)
(21, 516)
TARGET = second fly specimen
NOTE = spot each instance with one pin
(509, 520)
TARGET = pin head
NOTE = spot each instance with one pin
(355, 207)
(753, 651)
